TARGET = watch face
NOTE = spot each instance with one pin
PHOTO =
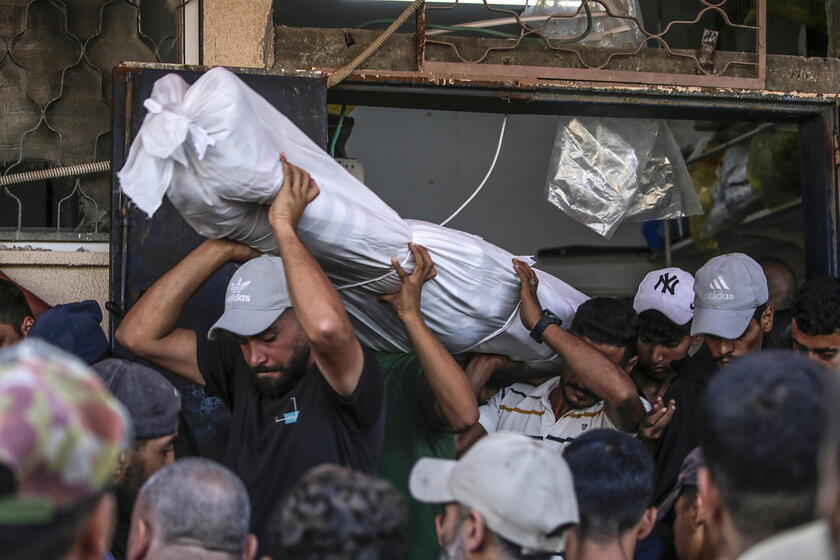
(553, 318)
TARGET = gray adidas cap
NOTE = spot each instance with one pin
(727, 291)
(522, 487)
(256, 296)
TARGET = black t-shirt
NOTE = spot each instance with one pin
(681, 435)
(273, 442)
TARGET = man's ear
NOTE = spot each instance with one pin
(572, 544)
(475, 532)
(26, 325)
(697, 509)
(93, 539)
(631, 363)
(439, 529)
(710, 497)
(645, 526)
(139, 538)
(119, 472)
(767, 319)
(250, 547)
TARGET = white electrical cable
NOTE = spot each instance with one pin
(487, 176)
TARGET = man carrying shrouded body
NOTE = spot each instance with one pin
(283, 357)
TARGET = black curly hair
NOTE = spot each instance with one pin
(817, 306)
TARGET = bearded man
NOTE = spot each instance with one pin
(283, 357)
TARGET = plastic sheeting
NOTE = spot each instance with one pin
(733, 193)
(606, 31)
(212, 148)
(604, 171)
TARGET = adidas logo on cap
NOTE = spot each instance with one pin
(719, 290)
(236, 294)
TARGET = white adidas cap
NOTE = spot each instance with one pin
(728, 289)
(522, 487)
(669, 291)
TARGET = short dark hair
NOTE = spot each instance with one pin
(659, 329)
(613, 477)
(605, 320)
(13, 305)
(334, 513)
(817, 306)
(763, 424)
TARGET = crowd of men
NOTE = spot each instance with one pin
(697, 422)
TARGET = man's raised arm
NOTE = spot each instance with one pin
(316, 303)
(597, 372)
(455, 401)
(148, 329)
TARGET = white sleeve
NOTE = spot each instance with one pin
(488, 413)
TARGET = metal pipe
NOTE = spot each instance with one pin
(725, 145)
(54, 172)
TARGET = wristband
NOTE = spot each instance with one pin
(547, 318)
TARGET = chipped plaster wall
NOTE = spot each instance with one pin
(60, 276)
(238, 33)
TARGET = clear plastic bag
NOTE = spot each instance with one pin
(666, 190)
(607, 31)
(603, 171)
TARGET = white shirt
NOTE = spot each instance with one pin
(811, 541)
(526, 409)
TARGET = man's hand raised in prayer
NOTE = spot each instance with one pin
(296, 192)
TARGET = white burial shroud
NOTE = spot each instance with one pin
(212, 148)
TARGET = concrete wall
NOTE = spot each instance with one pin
(426, 163)
(60, 276)
(238, 33)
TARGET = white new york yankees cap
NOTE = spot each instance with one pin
(522, 487)
(255, 297)
(727, 289)
(669, 291)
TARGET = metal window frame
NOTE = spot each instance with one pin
(704, 77)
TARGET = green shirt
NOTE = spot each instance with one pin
(412, 430)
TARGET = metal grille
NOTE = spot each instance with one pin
(56, 59)
(568, 58)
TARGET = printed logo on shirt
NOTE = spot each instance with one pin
(668, 282)
(719, 290)
(236, 291)
(288, 417)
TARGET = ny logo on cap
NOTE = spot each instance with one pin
(236, 291)
(668, 283)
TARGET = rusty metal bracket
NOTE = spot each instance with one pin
(708, 45)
